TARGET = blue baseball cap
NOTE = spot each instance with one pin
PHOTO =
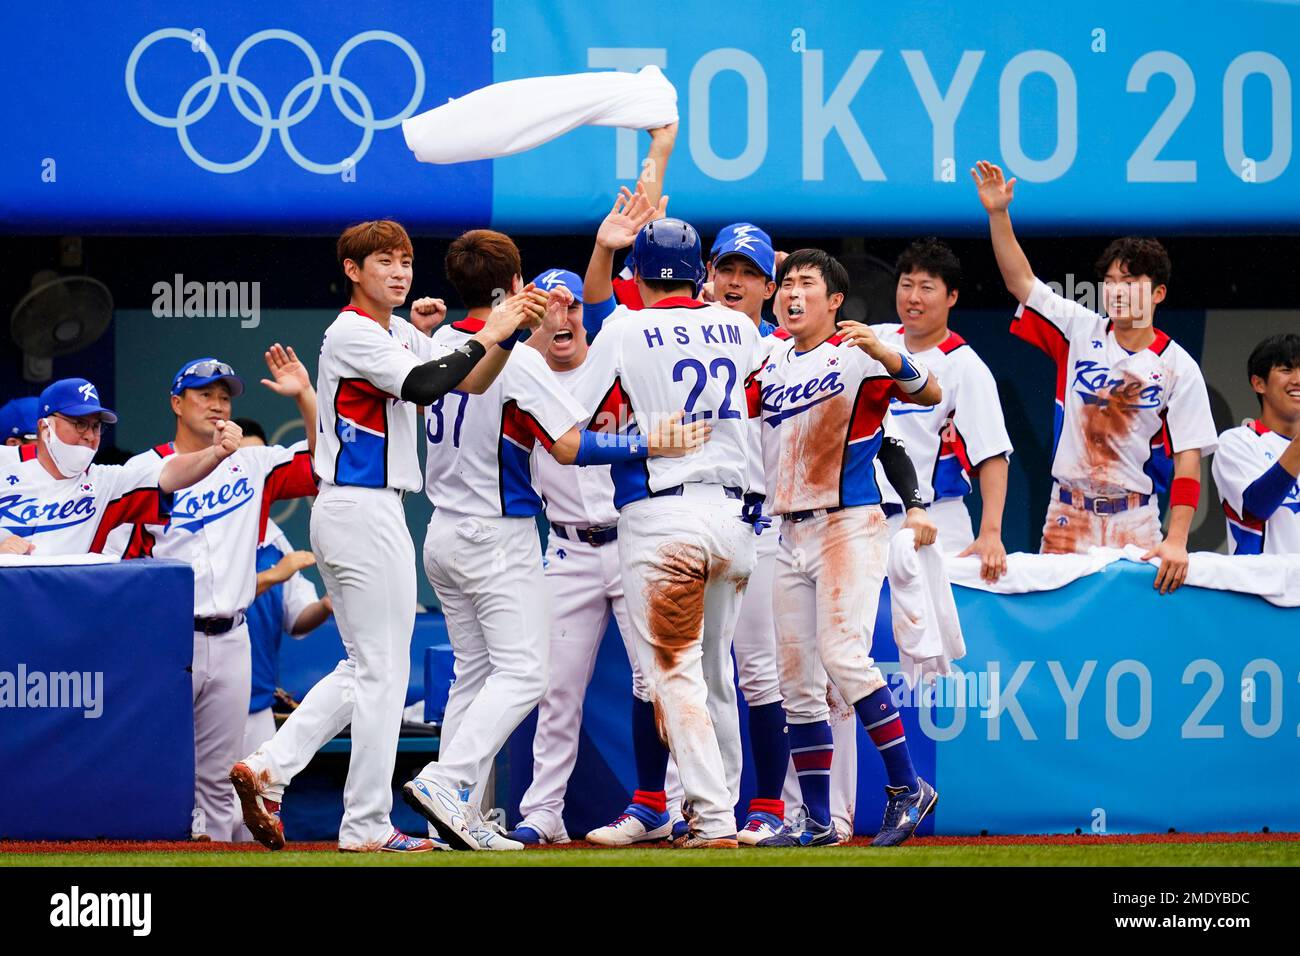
(204, 371)
(549, 279)
(18, 418)
(74, 397)
(752, 248)
(727, 233)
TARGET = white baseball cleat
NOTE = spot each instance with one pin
(492, 836)
(636, 824)
(759, 826)
(443, 807)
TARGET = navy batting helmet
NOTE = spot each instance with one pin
(669, 249)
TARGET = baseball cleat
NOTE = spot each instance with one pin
(442, 807)
(531, 836)
(759, 826)
(261, 815)
(812, 834)
(693, 841)
(492, 836)
(681, 830)
(904, 811)
(636, 824)
(399, 842)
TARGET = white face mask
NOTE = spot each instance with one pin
(71, 460)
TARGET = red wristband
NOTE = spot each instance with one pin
(1185, 491)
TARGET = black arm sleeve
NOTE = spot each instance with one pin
(900, 471)
(431, 381)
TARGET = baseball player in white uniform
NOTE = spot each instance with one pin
(54, 501)
(375, 369)
(482, 551)
(822, 395)
(685, 548)
(215, 527)
(1128, 398)
(1258, 462)
(965, 434)
(585, 587)
(740, 271)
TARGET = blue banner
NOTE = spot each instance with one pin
(96, 701)
(835, 117)
(148, 117)
(1102, 707)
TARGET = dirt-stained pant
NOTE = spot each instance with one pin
(828, 577)
(686, 560)
(1070, 529)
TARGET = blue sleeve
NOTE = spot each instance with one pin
(594, 315)
(1263, 495)
(609, 449)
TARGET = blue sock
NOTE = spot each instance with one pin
(770, 747)
(649, 751)
(811, 749)
(884, 724)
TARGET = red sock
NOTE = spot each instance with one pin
(774, 807)
(656, 800)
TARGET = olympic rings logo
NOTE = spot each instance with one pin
(288, 117)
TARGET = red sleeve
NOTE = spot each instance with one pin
(626, 293)
(870, 406)
(1031, 327)
(613, 412)
(522, 428)
(142, 506)
(1040, 333)
(289, 479)
(754, 396)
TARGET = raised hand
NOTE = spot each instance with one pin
(995, 192)
(289, 376)
(673, 439)
(428, 313)
(631, 211)
(558, 301)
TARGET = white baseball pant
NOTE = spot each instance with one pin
(829, 572)
(222, 682)
(686, 560)
(1070, 529)
(585, 586)
(487, 573)
(366, 558)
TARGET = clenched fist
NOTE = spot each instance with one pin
(225, 439)
(428, 313)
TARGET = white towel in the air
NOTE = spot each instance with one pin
(517, 115)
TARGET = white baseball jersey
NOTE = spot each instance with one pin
(367, 434)
(822, 413)
(575, 497)
(677, 354)
(1244, 454)
(75, 515)
(479, 445)
(215, 525)
(946, 442)
(1120, 416)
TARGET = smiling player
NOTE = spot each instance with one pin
(1128, 396)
